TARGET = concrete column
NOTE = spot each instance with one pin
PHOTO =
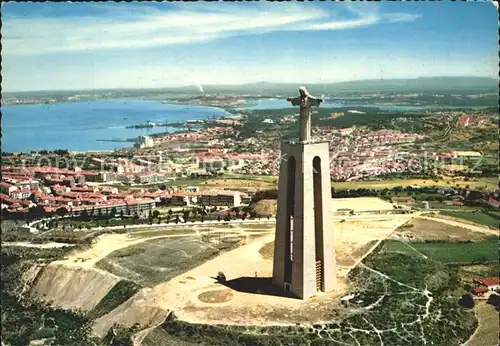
(281, 222)
(304, 243)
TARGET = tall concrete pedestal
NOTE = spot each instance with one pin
(304, 258)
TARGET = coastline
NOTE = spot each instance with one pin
(92, 126)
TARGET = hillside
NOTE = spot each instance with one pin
(423, 84)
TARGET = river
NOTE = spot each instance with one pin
(80, 126)
(281, 103)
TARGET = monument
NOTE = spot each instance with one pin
(304, 258)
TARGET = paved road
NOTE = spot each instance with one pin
(49, 245)
(271, 220)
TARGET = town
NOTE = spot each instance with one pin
(170, 169)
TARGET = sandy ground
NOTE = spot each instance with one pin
(79, 284)
(183, 295)
(236, 184)
(486, 333)
(355, 237)
(424, 229)
(352, 236)
(361, 204)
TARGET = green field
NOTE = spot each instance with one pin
(477, 217)
(489, 183)
(449, 252)
(265, 178)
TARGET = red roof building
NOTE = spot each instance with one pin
(480, 290)
(491, 283)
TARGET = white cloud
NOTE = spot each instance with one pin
(401, 17)
(139, 27)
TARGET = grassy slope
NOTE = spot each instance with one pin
(477, 217)
(120, 292)
(450, 252)
(446, 323)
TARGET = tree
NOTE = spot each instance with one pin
(467, 301)
(84, 216)
(185, 215)
(39, 211)
(494, 300)
(61, 211)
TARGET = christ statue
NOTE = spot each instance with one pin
(305, 100)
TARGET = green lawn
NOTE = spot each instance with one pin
(10, 225)
(462, 208)
(477, 217)
(266, 178)
(449, 252)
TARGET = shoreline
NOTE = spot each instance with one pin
(224, 113)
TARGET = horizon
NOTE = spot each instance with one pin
(242, 84)
(167, 45)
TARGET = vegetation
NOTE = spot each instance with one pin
(155, 261)
(25, 320)
(449, 252)
(122, 291)
(487, 219)
(401, 299)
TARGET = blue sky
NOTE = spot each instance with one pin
(144, 45)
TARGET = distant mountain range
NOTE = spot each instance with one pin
(430, 84)
(417, 85)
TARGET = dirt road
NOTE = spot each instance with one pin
(50, 245)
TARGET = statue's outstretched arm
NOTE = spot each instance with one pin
(314, 101)
(295, 101)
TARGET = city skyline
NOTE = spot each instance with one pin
(50, 46)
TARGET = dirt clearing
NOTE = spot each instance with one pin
(361, 204)
(229, 184)
(420, 229)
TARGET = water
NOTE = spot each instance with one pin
(79, 125)
(280, 104)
